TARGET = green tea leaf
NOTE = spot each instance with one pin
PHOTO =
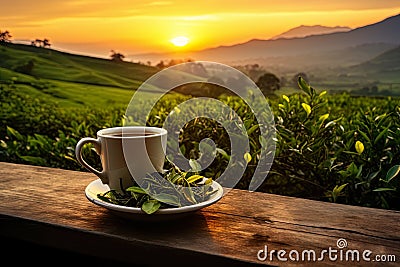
(136, 189)
(15, 133)
(42, 141)
(168, 199)
(196, 167)
(175, 178)
(70, 158)
(304, 86)
(208, 181)
(373, 175)
(380, 135)
(223, 153)
(106, 199)
(364, 135)
(188, 193)
(286, 98)
(393, 172)
(252, 129)
(380, 117)
(383, 189)
(183, 149)
(194, 178)
(151, 206)
(351, 170)
(324, 117)
(35, 160)
(337, 191)
(307, 108)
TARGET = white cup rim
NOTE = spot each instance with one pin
(107, 132)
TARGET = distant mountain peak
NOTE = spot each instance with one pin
(308, 30)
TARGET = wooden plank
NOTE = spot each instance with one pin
(48, 206)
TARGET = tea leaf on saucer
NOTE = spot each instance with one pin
(196, 167)
(168, 199)
(136, 189)
(194, 178)
(151, 206)
(190, 188)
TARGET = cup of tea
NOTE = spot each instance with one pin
(126, 153)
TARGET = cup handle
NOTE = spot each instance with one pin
(78, 152)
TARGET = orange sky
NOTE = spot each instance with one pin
(97, 26)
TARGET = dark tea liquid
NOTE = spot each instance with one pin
(147, 133)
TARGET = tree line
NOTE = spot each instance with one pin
(5, 37)
(45, 43)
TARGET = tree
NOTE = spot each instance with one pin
(268, 83)
(5, 37)
(45, 43)
(116, 57)
(160, 65)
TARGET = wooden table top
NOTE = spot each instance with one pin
(48, 206)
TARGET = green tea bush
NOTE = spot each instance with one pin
(334, 148)
(36, 131)
(337, 148)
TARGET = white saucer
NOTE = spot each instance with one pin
(96, 187)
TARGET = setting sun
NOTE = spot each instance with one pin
(180, 41)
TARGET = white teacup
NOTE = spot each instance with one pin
(127, 153)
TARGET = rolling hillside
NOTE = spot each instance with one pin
(381, 72)
(385, 66)
(70, 80)
(55, 65)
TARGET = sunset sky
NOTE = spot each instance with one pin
(94, 27)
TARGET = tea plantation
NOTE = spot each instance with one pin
(336, 148)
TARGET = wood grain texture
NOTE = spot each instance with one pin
(47, 206)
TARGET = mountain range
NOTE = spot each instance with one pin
(283, 55)
(307, 30)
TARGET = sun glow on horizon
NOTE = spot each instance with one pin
(180, 41)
